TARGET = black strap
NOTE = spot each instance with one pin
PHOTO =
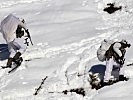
(26, 42)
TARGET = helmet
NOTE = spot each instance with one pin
(124, 41)
(22, 20)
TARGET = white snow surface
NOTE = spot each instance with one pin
(66, 35)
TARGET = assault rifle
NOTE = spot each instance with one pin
(28, 35)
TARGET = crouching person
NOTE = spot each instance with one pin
(115, 58)
(13, 29)
(113, 53)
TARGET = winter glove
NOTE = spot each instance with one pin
(121, 61)
(19, 35)
(27, 31)
(128, 45)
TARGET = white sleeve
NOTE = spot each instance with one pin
(116, 48)
(20, 43)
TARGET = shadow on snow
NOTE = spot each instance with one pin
(4, 53)
(100, 68)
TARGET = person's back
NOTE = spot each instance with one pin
(115, 57)
(105, 45)
(9, 26)
(117, 50)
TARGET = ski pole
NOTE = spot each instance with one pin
(40, 87)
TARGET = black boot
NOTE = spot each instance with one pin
(122, 78)
(9, 62)
(110, 82)
(105, 83)
(17, 59)
(17, 55)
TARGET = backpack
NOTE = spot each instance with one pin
(9, 26)
(105, 45)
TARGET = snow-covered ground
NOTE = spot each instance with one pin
(66, 35)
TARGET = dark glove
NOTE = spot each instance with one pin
(128, 45)
(27, 31)
(121, 61)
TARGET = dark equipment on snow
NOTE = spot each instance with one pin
(111, 9)
(40, 87)
(79, 91)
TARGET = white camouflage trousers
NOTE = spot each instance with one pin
(109, 67)
(17, 45)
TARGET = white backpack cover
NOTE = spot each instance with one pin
(103, 48)
(9, 26)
